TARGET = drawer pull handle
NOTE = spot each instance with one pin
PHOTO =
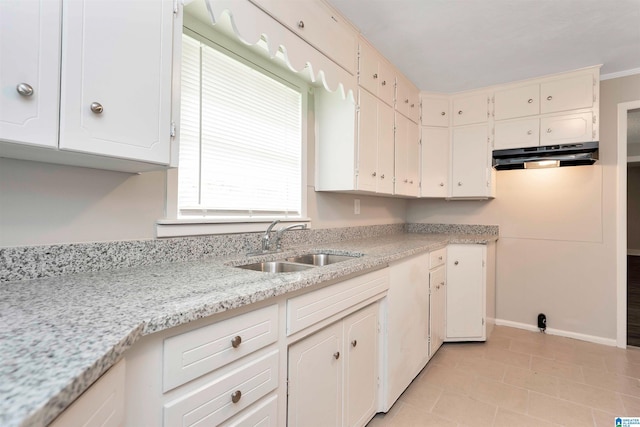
(354, 343)
(300, 24)
(455, 263)
(235, 396)
(25, 89)
(236, 341)
(336, 355)
(530, 100)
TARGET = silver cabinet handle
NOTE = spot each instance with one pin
(413, 105)
(406, 101)
(97, 108)
(375, 76)
(442, 184)
(382, 176)
(24, 89)
(459, 183)
(236, 341)
(301, 24)
(443, 113)
(373, 174)
(406, 180)
(384, 83)
(437, 286)
(354, 343)
(235, 396)
(442, 284)
(411, 182)
(549, 98)
(440, 258)
(460, 112)
(336, 355)
(530, 100)
(529, 132)
(549, 130)
(455, 263)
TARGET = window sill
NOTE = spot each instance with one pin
(200, 227)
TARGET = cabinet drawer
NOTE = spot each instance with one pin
(101, 405)
(198, 352)
(319, 26)
(517, 102)
(307, 309)
(437, 258)
(517, 134)
(212, 403)
(262, 414)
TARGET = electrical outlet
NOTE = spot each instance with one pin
(356, 206)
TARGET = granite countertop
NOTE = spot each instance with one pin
(58, 335)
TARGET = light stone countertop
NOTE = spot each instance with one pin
(58, 335)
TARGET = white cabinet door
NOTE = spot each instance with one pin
(385, 149)
(470, 109)
(116, 85)
(571, 93)
(434, 180)
(407, 324)
(517, 134)
(315, 379)
(367, 141)
(469, 162)
(30, 71)
(407, 156)
(437, 308)
(517, 102)
(375, 73)
(435, 111)
(361, 366)
(566, 129)
(386, 81)
(407, 99)
(465, 293)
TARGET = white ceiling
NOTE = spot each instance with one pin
(455, 45)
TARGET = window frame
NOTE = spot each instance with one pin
(254, 56)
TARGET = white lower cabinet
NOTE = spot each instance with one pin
(333, 373)
(103, 404)
(407, 326)
(437, 299)
(470, 308)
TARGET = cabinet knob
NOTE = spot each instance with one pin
(460, 112)
(530, 100)
(413, 105)
(442, 284)
(354, 343)
(455, 263)
(443, 113)
(235, 396)
(529, 132)
(411, 182)
(384, 83)
(373, 174)
(442, 184)
(375, 76)
(438, 287)
(459, 183)
(301, 24)
(406, 101)
(406, 180)
(549, 130)
(336, 355)
(236, 341)
(549, 98)
(24, 89)
(440, 258)
(382, 176)
(97, 108)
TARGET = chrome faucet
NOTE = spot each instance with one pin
(283, 229)
(266, 239)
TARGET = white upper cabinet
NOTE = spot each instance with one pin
(566, 129)
(407, 157)
(30, 71)
(571, 93)
(407, 99)
(116, 85)
(434, 166)
(470, 109)
(320, 26)
(375, 74)
(517, 102)
(519, 133)
(470, 162)
(435, 111)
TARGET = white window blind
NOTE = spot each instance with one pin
(240, 141)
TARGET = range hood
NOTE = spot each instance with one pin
(580, 154)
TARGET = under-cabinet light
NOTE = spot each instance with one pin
(542, 164)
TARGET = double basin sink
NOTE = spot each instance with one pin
(297, 263)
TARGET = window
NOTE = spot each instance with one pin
(241, 138)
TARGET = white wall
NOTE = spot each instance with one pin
(556, 252)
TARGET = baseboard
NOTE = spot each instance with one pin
(559, 332)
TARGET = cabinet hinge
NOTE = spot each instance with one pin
(483, 264)
(172, 130)
(483, 321)
(379, 327)
(287, 385)
(175, 7)
(593, 119)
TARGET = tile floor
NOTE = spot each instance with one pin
(519, 379)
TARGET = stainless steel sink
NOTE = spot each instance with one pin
(320, 259)
(276, 267)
